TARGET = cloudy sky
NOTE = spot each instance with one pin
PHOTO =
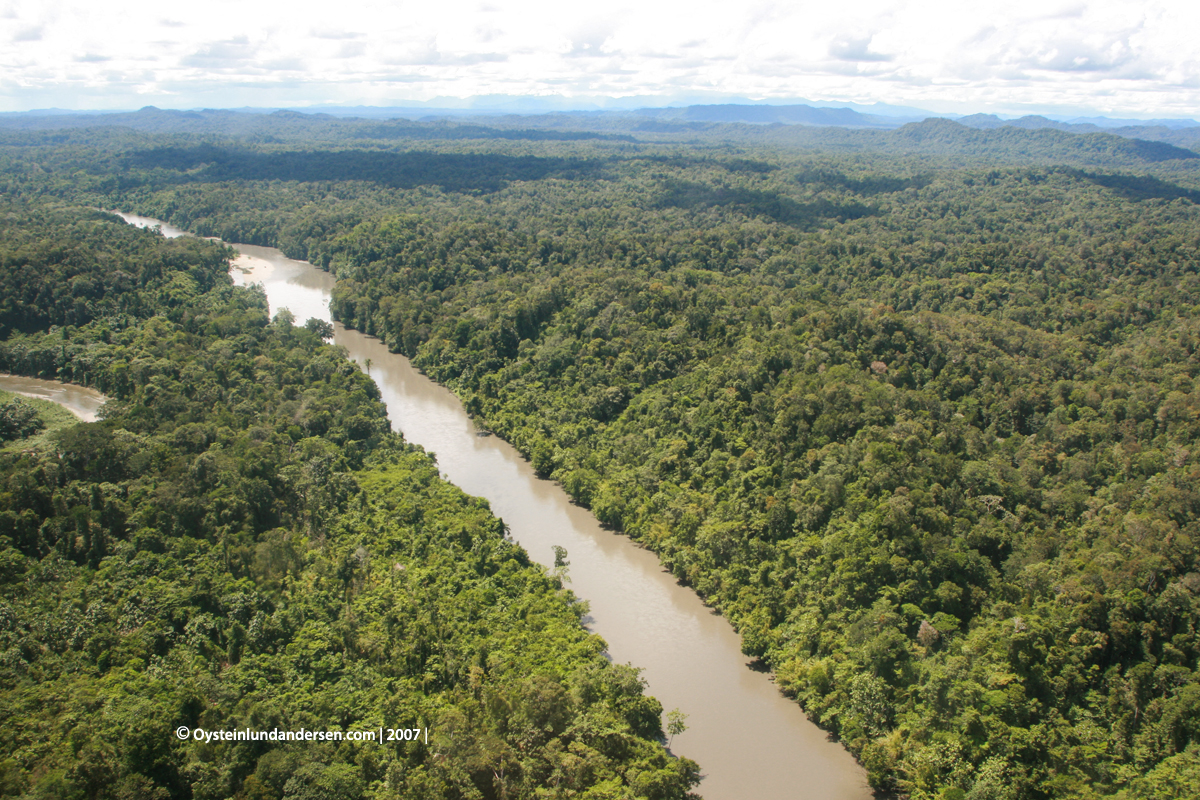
(1118, 58)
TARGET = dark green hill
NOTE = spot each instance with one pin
(945, 136)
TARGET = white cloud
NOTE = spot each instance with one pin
(591, 38)
(224, 55)
(856, 48)
(352, 49)
(33, 33)
(337, 34)
(1122, 56)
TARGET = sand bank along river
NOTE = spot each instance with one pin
(751, 742)
(79, 400)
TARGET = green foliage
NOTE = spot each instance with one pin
(18, 419)
(41, 420)
(243, 544)
(917, 410)
(676, 724)
(69, 266)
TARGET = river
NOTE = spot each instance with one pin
(750, 740)
(79, 400)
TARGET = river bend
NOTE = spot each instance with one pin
(79, 400)
(750, 741)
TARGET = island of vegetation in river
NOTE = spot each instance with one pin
(917, 410)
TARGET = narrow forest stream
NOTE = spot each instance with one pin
(750, 740)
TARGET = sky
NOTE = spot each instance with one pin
(1125, 59)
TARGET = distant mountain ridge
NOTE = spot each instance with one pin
(243, 122)
(1112, 122)
(983, 135)
(956, 136)
(1078, 125)
(783, 115)
(1173, 131)
(1184, 133)
(284, 124)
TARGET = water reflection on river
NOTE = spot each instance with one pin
(750, 741)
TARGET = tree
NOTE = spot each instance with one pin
(561, 564)
(18, 420)
(676, 724)
(320, 327)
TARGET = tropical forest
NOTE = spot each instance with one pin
(917, 411)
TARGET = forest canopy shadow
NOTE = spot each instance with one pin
(454, 172)
(685, 194)
(1140, 187)
(867, 185)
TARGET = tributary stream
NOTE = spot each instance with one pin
(751, 742)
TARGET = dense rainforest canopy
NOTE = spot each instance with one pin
(242, 543)
(917, 410)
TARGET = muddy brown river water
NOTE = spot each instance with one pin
(751, 742)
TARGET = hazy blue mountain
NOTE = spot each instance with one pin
(1110, 122)
(284, 124)
(783, 115)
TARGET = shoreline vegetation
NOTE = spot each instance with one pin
(243, 543)
(56, 400)
(27, 422)
(919, 418)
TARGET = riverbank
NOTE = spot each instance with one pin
(749, 739)
(81, 401)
